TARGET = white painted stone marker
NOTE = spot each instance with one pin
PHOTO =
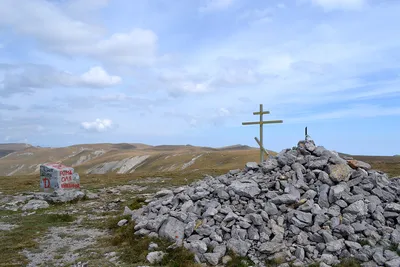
(54, 176)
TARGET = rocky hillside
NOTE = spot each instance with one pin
(125, 158)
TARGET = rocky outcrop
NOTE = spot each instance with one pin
(121, 167)
(305, 205)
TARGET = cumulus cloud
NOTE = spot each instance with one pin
(215, 5)
(339, 4)
(20, 127)
(257, 15)
(353, 111)
(8, 107)
(179, 82)
(223, 112)
(29, 77)
(99, 125)
(236, 72)
(137, 47)
(54, 29)
(97, 76)
(221, 63)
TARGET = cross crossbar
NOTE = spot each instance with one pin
(259, 113)
(261, 122)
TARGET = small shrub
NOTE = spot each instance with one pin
(137, 203)
(134, 249)
(178, 257)
(274, 262)
(393, 247)
(363, 242)
(238, 261)
(350, 262)
(57, 218)
(112, 222)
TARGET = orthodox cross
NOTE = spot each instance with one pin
(261, 123)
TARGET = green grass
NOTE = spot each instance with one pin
(351, 262)
(275, 262)
(57, 218)
(134, 249)
(238, 261)
(363, 242)
(112, 222)
(393, 247)
(137, 203)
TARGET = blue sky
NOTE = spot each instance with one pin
(189, 72)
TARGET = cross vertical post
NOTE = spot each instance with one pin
(261, 134)
(261, 123)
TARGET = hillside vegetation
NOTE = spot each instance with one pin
(126, 159)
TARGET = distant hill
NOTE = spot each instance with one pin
(236, 147)
(9, 148)
(125, 158)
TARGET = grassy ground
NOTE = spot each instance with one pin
(23, 237)
(226, 162)
(390, 165)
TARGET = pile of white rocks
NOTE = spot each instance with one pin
(41, 200)
(305, 205)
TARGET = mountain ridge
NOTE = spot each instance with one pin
(127, 158)
(121, 158)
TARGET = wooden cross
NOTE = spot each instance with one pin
(261, 123)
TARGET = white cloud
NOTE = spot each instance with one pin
(223, 112)
(77, 6)
(49, 24)
(193, 123)
(236, 72)
(99, 125)
(45, 21)
(215, 5)
(29, 77)
(178, 82)
(8, 107)
(138, 47)
(257, 16)
(115, 97)
(97, 76)
(355, 111)
(339, 4)
(281, 5)
(221, 65)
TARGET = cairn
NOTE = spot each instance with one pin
(305, 205)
